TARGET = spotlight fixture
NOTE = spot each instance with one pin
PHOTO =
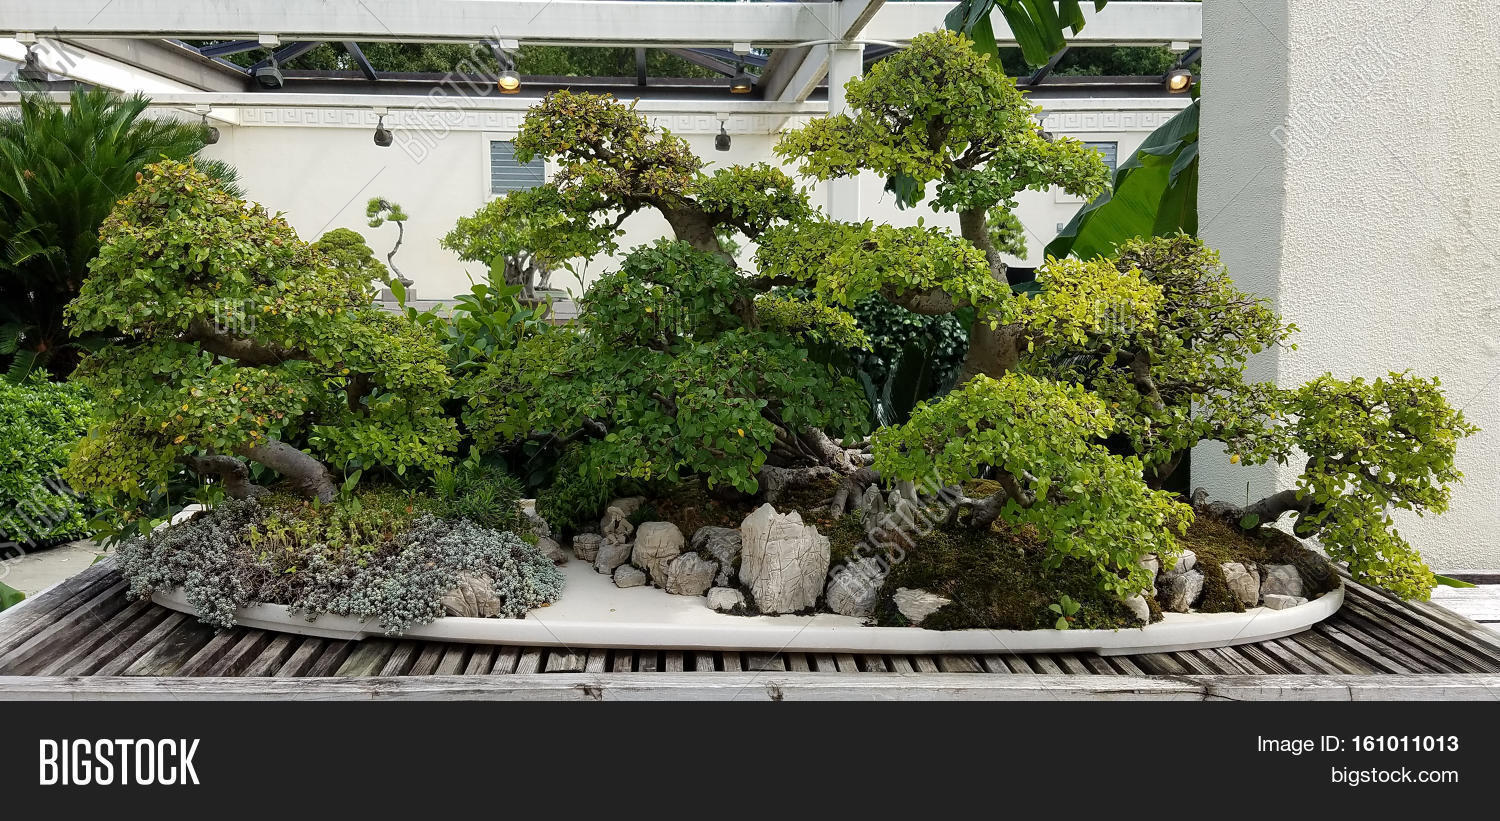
(742, 82)
(1178, 80)
(509, 81)
(721, 142)
(270, 76)
(383, 136)
(32, 70)
(210, 134)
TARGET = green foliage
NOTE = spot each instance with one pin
(1007, 233)
(844, 262)
(241, 336)
(1066, 609)
(9, 596)
(527, 227)
(379, 211)
(814, 321)
(1155, 193)
(1080, 301)
(39, 422)
(665, 382)
(346, 250)
(61, 170)
(940, 112)
(1177, 377)
(912, 357)
(1037, 26)
(1371, 446)
(1043, 438)
(485, 495)
(751, 198)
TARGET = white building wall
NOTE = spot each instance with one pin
(321, 167)
(1348, 173)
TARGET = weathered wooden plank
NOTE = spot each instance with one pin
(1262, 662)
(1161, 664)
(1125, 665)
(302, 658)
(273, 657)
(871, 662)
(480, 661)
(247, 645)
(18, 624)
(428, 658)
(53, 638)
(368, 659)
(624, 661)
(106, 640)
(647, 661)
(1045, 665)
(167, 655)
(209, 655)
(530, 662)
(401, 659)
(1363, 650)
(599, 657)
(455, 656)
(900, 664)
(506, 661)
(331, 659)
(562, 660)
(1419, 657)
(769, 661)
(672, 661)
(924, 664)
(731, 661)
(1071, 664)
(703, 661)
(957, 663)
(825, 663)
(1481, 604)
(1411, 625)
(798, 663)
(1097, 665)
(1327, 652)
(1465, 631)
(1233, 662)
(770, 685)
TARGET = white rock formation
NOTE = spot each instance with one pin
(783, 562)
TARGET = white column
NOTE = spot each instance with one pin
(1348, 154)
(845, 62)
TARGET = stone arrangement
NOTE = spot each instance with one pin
(1276, 586)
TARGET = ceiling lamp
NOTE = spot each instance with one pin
(721, 142)
(1178, 80)
(383, 136)
(509, 81)
(270, 76)
(742, 82)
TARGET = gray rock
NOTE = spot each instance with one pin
(722, 544)
(628, 505)
(854, 588)
(690, 575)
(725, 598)
(538, 525)
(473, 596)
(1185, 562)
(1277, 601)
(783, 562)
(615, 526)
(586, 545)
(629, 576)
(917, 605)
(1139, 608)
(1243, 582)
(871, 506)
(1180, 592)
(552, 550)
(611, 555)
(656, 544)
(1282, 580)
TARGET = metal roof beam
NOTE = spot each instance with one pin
(361, 60)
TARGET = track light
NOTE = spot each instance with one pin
(270, 76)
(509, 81)
(210, 134)
(1178, 80)
(383, 136)
(742, 82)
(721, 142)
(32, 70)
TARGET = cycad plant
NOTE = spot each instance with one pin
(62, 168)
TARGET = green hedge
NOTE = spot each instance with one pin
(39, 422)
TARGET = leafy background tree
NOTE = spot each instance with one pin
(62, 168)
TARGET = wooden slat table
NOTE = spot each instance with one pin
(86, 639)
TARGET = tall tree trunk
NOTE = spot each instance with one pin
(992, 351)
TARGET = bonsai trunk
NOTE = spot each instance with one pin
(992, 351)
(308, 476)
(693, 226)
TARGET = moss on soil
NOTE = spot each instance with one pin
(691, 506)
(1216, 542)
(996, 580)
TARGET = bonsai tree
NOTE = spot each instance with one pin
(612, 163)
(937, 113)
(1371, 446)
(244, 352)
(346, 250)
(380, 211)
(1180, 378)
(1040, 441)
(505, 235)
(665, 382)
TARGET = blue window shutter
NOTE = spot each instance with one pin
(508, 175)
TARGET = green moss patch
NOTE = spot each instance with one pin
(1216, 542)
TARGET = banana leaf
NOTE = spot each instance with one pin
(1036, 25)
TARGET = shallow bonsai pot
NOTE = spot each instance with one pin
(595, 613)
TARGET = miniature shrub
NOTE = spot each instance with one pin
(485, 495)
(39, 422)
(387, 559)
